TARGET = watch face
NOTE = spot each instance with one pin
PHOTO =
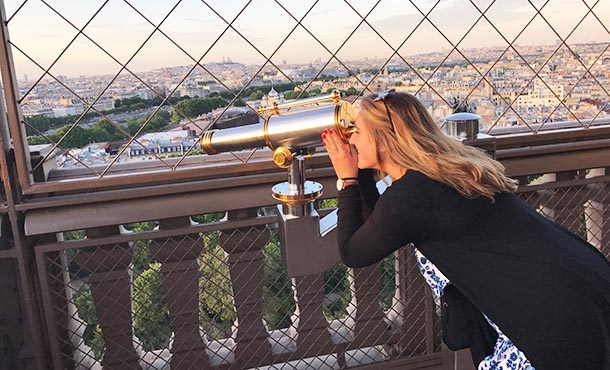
(340, 184)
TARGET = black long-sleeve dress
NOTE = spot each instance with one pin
(546, 289)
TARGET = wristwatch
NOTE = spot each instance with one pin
(345, 182)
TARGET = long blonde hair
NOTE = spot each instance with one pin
(416, 142)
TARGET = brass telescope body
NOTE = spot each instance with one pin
(285, 132)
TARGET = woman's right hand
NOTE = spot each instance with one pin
(343, 156)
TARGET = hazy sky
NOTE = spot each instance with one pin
(43, 35)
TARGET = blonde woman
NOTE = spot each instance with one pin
(537, 296)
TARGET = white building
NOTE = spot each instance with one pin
(272, 97)
(162, 143)
(540, 96)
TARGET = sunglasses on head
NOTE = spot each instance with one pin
(382, 96)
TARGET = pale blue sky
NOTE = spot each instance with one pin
(119, 29)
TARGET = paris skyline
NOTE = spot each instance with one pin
(195, 26)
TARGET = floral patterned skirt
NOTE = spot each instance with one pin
(506, 356)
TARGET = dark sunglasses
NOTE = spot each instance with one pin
(381, 96)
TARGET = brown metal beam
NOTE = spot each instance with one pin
(11, 92)
(559, 158)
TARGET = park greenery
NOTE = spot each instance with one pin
(105, 130)
(42, 129)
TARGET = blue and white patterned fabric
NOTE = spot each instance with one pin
(505, 356)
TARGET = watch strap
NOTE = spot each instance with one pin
(343, 183)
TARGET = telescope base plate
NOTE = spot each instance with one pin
(286, 194)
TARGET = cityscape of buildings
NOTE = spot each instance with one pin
(539, 84)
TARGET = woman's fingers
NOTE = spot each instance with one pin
(333, 142)
(342, 155)
(329, 139)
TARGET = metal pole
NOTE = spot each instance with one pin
(11, 92)
(12, 192)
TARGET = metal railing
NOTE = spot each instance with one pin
(213, 293)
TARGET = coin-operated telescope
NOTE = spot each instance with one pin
(292, 130)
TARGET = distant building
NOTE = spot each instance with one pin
(102, 104)
(162, 143)
(272, 97)
(30, 110)
(64, 111)
(194, 91)
(234, 116)
(68, 107)
(541, 96)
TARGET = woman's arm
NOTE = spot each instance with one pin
(368, 191)
(401, 215)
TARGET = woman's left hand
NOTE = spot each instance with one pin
(343, 156)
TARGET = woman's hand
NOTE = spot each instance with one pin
(343, 156)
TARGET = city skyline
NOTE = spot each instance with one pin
(118, 28)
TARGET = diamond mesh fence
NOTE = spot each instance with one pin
(222, 299)
(580, 209)
(86, 84)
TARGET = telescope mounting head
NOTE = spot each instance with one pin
(292, 135)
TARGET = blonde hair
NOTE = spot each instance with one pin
(416, 142)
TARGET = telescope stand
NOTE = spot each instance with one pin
(291, 130)
(309, 245)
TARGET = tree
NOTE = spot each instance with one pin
(151, 318)
(77, 138)
(277, 288)
(388, 282)
(99, 135)
(336, 284)
(113, 131)
(351, 91)
(159, 122)
(239, 103)
(132, 100)
(256, 95)
(227, 95)
(37, 140)
(37, 124)
(142, 258)
(194, 107)
(460, 106)
(86, 311)
(138, 106)
(294, 94)
(175, 116)
(215, 294)
(133, 125)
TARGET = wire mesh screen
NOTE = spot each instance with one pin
(222, 299)
(100, 81)
(581, 209)
(111, 82)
